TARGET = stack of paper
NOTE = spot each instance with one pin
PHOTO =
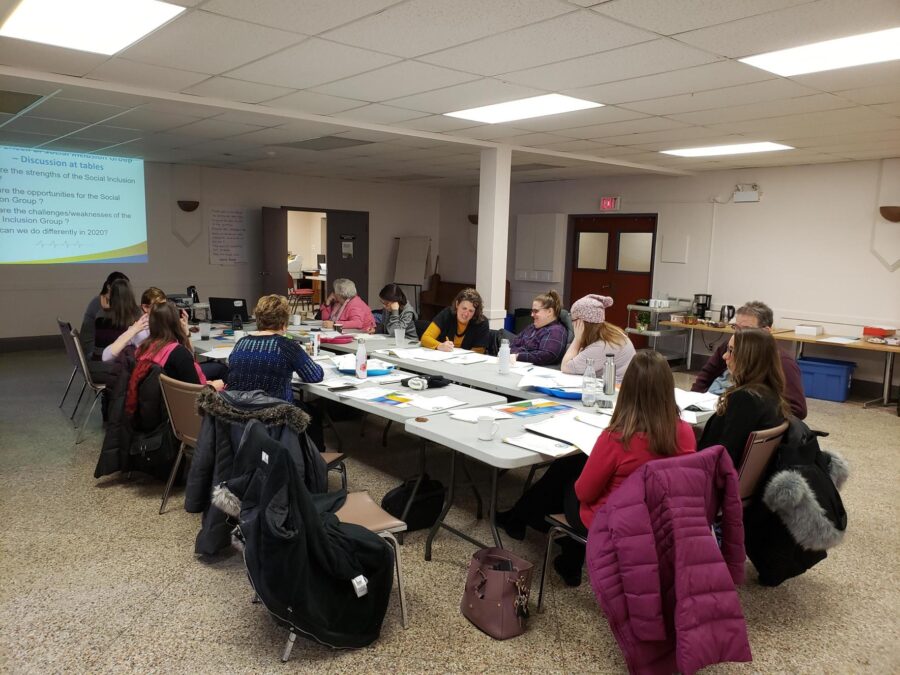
(536, 406)
(571, 428)
(698, 399)
(348, 362)
(473, 414)
(435, 403)
(367, 394)
(219, 353)
(466, 359)
(552, 379)
(540, 444)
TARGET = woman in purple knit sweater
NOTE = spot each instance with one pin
(544, 341)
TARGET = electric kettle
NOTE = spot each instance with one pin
(726, 313)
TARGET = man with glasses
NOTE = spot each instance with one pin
(715, 379)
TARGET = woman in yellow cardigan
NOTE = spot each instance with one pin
(461, 325)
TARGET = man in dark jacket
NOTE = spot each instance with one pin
(714, 376)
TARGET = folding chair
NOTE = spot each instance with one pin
(334, 461)
(88, 382)
(180, 399)
(559, 527)
(65, 329)
(758, 453)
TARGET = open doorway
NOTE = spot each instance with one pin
(307, 237)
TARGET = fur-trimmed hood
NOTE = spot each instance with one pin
(243, 406)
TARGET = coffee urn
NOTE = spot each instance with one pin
(702, 301)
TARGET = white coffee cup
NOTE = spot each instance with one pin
(399, 337)
(487, 428)
(238, 334)
(204, 330)
(295, 319)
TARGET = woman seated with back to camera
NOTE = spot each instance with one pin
(397, 313)
(544, 341)
(756, 401)
(344, 306)
(644, 426)
(461, 325)
(595, 337)
(168, 345)
(266, 360)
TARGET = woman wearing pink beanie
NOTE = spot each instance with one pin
(595, 338)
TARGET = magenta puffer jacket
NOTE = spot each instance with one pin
(666, 588)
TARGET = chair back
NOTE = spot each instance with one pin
(566, 320)
(757, 455)
(181, 403)
(65, 329)
(81, 364)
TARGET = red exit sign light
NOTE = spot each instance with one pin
(609, 203)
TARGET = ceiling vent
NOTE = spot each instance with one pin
(326, 143)
(14, 102)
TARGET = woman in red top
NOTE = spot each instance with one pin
(645, 425)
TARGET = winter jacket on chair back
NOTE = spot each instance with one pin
(300, 559)
(218, 455)
(666, 588)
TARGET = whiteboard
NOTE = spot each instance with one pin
(412, 260)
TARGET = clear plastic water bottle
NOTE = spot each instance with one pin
(609, 376)
(503, 356)
(589, 385)
(361, 360)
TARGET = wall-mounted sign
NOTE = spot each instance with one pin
(609, 203)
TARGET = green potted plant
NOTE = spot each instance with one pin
(642, 321)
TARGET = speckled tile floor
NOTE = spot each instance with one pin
(93, 580)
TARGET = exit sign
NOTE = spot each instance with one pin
(609, 203)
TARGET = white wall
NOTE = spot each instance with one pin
(804, 248)
(305, 236)
(35, 294)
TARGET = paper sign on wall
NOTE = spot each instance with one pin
(227, 236)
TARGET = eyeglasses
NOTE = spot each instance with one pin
(536, 311)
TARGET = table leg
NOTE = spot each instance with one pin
(419, 478)
(492, 508)
(439, 523)
(690, 349)
(885, 399)
(479, 510)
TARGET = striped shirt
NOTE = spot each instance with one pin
(268, 362)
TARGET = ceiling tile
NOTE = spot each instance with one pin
(831, 121)
(769, 90)
(71, 144)
(852, 78)
(437, 123)
(463, 96)
(312, 63)
(41, 125)
(790, 106)
(677, 16)
(379, 114)
(215, 128)
(22, 139)
(109, 134)
(429, 25)
(74, 111)
(580, 118)
(145, 75)
(647, 58)
(491, 132)
(884, 93)
(667, 137)
(257, 119)
(576, 146)
(622, 128)
(684, 81)
(400, 79)
(535, 139)
(313, 103)
(35, 56)
(795, 26)
(564, 37)
(236, 90)
(888, 108)
(226, 43)
(300, 16)
(151, 120)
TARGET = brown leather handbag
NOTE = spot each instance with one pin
(495, 598)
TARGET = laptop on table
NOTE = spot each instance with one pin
(222, 310)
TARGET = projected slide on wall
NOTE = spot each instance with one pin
(63, 207)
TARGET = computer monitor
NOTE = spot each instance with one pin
(224, 309)
(320, 259)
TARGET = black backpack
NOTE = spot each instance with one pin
(153, 445)
(426, 507)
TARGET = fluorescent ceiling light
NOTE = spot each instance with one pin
(739, 149)
(856, 50)
(525, 108)
(99, 26)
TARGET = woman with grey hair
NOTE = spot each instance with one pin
(344, 306)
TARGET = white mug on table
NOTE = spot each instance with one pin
(204, 330)
(238, 334)
(487, 428)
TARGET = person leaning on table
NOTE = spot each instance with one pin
(344, 306)
(461, 325)
(544, 341)
(715, 377)
(595, 337)
(397, 313)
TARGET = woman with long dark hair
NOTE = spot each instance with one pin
(645, 425)
(756, 401)
(396, 313)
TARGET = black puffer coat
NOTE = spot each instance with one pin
(219, 456)
(300, 558)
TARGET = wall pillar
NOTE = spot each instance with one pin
(493, 232)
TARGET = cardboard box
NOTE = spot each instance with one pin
(879, 331)
(808, 329)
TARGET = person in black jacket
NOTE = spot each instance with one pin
(462, 324)
(756, 401)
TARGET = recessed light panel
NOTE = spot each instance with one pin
(739, 149)
(856, 50)
(525, 108)
(99, 26)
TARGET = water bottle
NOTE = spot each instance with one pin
(609, 376)
(589, 386)
(361, 360)
(315, 344)
(503, 356)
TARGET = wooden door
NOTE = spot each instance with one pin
(348, 249)
(613, 255)
(274, 270)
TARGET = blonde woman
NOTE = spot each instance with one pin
(595, 338)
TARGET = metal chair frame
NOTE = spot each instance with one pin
(558, 528)
(65, 329)
(88, 382)
(186, 441)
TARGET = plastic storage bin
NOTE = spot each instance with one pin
(827, 379)
(509, 323)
